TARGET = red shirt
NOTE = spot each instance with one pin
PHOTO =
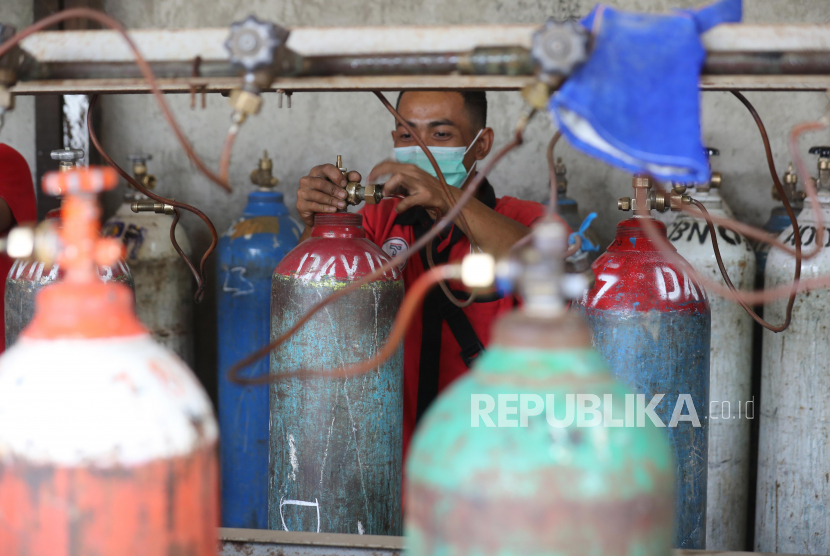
(17, 190)
(381, 228)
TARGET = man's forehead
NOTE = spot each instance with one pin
(431, 106)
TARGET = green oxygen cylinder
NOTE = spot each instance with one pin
(539, 450)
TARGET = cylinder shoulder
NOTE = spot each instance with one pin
(129, 384)
(455, 447)
(643, 281)
(146, 235)
(320, 259)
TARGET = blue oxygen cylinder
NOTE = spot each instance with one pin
(248, 253)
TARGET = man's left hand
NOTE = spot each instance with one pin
(419, 188)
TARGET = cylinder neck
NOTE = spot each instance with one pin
(344, 225)
(520, 330)
(632, 237)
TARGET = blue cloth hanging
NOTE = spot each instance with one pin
(635, 102)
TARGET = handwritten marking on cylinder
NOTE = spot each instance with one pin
(107, 270)
(609, 280)
(311, 269)
(53, 274)
(689, 288)
(32, 271)
(20, 270)
(371, 262)
(673, 295)
(12, 269)
(314, 504)
(328, 266)
(247, 286)
(350, 270)
(360, 529)
(292, 457)
(302, 262)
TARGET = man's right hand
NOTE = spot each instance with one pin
(322, 190)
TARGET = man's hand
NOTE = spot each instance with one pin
(419, 188)
(322, 190)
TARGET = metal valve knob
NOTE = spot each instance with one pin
(559, 46)
(67, 157)
(252, 43)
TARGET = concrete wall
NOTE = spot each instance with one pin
(320, 126)
(19, 128)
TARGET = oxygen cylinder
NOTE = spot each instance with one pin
(793, 463)
(107, 441)
(335, 444)
(730, 366)
(510, 483)
(247, 255)
(569, 211)
(26, 278)
(163, 283)
(651, 321)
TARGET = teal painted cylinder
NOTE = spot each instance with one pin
(335, 443)
(533, 488)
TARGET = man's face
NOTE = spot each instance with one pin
(439, 118)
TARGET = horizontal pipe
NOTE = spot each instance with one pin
(208, 43)
(772, 63)
(819, 83)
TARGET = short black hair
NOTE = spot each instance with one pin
(474, 101)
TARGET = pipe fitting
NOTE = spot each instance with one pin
(150, 206)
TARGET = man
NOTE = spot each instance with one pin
(443, 340)
(17, 204)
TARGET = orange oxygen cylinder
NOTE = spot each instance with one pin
(107, 440)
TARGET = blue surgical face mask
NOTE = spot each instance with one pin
(450, 160)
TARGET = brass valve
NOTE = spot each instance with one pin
(140, 170)
(823, 181)
(356, 193)
(790, 182)
(647, 199)
(263, 175)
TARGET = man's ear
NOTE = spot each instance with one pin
(484, 144)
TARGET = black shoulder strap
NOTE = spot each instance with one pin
(438, 308)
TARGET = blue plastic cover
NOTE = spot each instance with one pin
(635, 102)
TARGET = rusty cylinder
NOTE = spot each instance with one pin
(335, 444)
(107, 440)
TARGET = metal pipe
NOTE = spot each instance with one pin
(767, 63)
